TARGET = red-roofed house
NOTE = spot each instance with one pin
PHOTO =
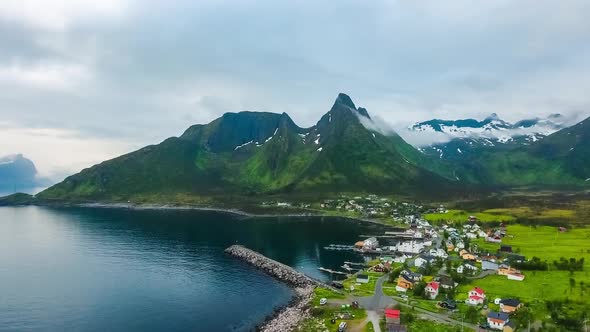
(476, 296)
(431, 289)
(392, 316)
(474, 300)
(477, 292)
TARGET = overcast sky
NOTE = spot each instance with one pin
(82, 81)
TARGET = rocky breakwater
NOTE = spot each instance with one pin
(288, 317)
(275, 269)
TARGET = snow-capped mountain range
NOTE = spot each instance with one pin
(459, 137)
(493, 128)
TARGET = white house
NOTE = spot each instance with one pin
(475, 296)
(431, 289)
(362, 278)
(497, 320)
(460, 269)
(423, 260)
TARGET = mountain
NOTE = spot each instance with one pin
(469, 136)
(561, 158)
(17, 173)
(262, 153)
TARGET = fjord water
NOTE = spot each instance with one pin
(84, 269)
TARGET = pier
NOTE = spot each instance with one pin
(277, 270)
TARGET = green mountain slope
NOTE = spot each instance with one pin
(256, 152)
(562, 158)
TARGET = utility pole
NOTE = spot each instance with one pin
(463, 317)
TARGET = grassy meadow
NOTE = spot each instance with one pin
(462, 216)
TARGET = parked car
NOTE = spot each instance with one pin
(448, 304)
(342, 327)
(323, 301)
(337, 285)
(355, 304)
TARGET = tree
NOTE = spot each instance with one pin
(572, 283)
(472, 315)
(419, 288)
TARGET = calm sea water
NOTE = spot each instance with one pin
(83, 269)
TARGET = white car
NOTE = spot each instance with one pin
(323, 301)
(342, 327)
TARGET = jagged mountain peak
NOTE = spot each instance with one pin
(344, 99)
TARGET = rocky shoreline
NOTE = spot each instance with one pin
(289, 317)
(238, 212)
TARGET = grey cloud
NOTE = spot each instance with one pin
(162, 65)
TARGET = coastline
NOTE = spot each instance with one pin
(237, 212)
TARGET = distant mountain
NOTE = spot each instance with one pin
(468, 136)
(562, 158)
(262, 153)
(17, 173)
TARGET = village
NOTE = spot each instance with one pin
(432, 271)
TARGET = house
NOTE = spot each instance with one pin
(468, 256)
(505, 248)
(509, 327)
(463, 252)
(450, 247)
(362, 278)
(516, 258)
(422, 260)
(438, 253)
(447, 283)
(431, 289)
(505, 270)
(392, 316)
(471, 235)
(477, 292)
(475, 296)
(370, 243)
(474, 300)
(466, 267)
(412, 276)
(510, 305)
(460, 245)
(403, 284)
(489, 265)
(494, 239)
(497, 320)
(515, 276)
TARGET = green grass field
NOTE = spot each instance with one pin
(548, 244)
(462, 216)
(362, 289)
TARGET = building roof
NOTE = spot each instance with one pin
(511, 302)
(498, 316)
(475, 297)
(392, 313)
(478, 291)
(433, 284)
(444, 280)
(362, 276)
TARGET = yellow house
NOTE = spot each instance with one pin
(504, 270)
(403, 284)
(468, 256)
(450, 247)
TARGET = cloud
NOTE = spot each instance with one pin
(133, 73)
(46, 76)
(58, 14)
